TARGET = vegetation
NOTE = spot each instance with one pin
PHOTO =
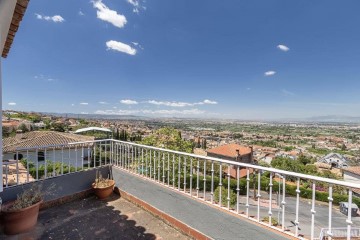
(168, 138)
(31, 196)
(224, 196)
(52, 168)
(101, 182)
(274, 221)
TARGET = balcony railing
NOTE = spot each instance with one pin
(254, 192)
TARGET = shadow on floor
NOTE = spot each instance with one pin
(88, 218)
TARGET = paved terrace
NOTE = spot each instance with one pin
(91, 218)
(208, 220)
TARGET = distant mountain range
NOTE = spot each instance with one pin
(98, 116)
(315, 119)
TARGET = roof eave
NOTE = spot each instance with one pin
(19, 11)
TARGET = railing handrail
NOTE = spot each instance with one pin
(282, 172)
(233, 163)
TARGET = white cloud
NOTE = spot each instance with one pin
(150, 112)
(207, 101)
(128, 102)
(81, 13)
(287, 93)
(12, 104)
(269, 73)
(283, 48)
(169, 104)
(138, 45)
(108, 15)
(103, 102)
(181, 104)
(136, 5)
(55, 18)
(84, 103)
(248, 89)
(72, 104)
(120, 47)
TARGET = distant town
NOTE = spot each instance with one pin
(269, 140)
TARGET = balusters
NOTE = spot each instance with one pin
(237, 188)
(297, 207)
(258, 195)
(228, 192)
(212, 182)
(205, 180)
(312, 211)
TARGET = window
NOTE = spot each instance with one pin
(41, 156)
(19, 155)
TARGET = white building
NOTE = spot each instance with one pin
(352, 174)
(74, 156)
(335, 160)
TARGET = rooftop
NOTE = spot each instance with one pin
(41, 138)
(18, 15)
(230, 150)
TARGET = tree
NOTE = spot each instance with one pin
(168, 138)
(5, 131)
(343, 147)
(117, 135)
(198, 144)
(303, 159)
(59, 127)
(23, 128)
(204, 144)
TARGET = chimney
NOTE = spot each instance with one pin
(238, 152)
(251, 154)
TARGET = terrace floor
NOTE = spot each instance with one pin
(91, 218)
(212, 222)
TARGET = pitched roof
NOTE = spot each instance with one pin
(18, 14)
(229, 150)
(355, 170)
(41, 138)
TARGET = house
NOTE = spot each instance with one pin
(352, 174)
(233, 152)
(73, 156)
(335, 160)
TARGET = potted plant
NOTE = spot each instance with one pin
(21, 215)
(103, 187)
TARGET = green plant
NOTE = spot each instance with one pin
(224, 196)
(31, 196)
(274, 221)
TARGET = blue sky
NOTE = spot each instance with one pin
(214, 59)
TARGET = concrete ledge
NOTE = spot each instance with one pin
(65, 186)
(165, 217)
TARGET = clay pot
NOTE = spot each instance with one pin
(103, 193)
(22, 220)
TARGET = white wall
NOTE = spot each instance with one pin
(72, 157)
(351, 177)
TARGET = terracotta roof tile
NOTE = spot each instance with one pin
(18, 14)
(41, 138)
(355, 170)
(229, 150)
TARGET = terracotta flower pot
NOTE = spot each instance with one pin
(103, 193)
(22, 220)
